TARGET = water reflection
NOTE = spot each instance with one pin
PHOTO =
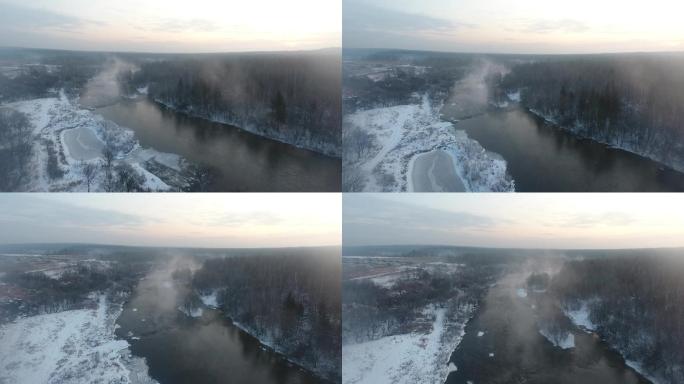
(207, 349)
(544, 158)
(522, 354)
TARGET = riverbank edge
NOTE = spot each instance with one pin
(551, 121)
(136, 365)
(269, 346)
(635, 365)
(330, 152)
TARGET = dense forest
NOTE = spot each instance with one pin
(633, 102)
(292, 302)
(16, 149)
(41, 293)
(635, 302)
(387, 78)
(290, 97)
(42, 73)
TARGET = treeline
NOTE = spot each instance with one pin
(44, 294)
(42, 73)
(372, 311)
(633, 102)
(291, 302)
(635, 303)
(16, 149)
(290, 97)
(405, 74)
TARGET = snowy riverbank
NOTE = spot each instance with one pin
(581, 318)
(402, 133)
(66, 137)
(210, 300)
(580, 130)
(75, 346)
(408, 358)
(283, 135)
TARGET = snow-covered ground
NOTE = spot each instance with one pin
(78, 136)
(581, 317)
(390, 278)
(77, 346)
(210, 300)
(193, 312)
(409, 358)
(562, 341)
(403, 132)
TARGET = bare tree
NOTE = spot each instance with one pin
(89, 172)
(108, 167)
(201, 178)
(128, 180)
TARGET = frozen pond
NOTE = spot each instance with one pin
(434, 172)
(82, 143)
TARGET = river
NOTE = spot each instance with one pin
(244, 161)
(207, 349)
(502, 344)
(543, 158)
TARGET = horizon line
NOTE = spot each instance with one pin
(161, 246)
(515, 53)
(330, 48)
(517, 248)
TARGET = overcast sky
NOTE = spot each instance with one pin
(548, 221)
(515, 26)
(183, 220)
(171, 25)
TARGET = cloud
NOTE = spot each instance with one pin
(378, 221)
(27, 19)
(607, 219)
(181, 26)
(365, 25)
(239, 219)
(17, 209)
(552, 26)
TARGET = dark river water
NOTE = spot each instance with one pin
(245, 162)
(208, 349)
(544, 158)
(523, 355)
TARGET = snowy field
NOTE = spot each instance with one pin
(414, 358)
(401, 133)
(77, 136)
(77, 346)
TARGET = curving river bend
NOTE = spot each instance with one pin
(204, 350)
(244, 161)
(502, 344)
